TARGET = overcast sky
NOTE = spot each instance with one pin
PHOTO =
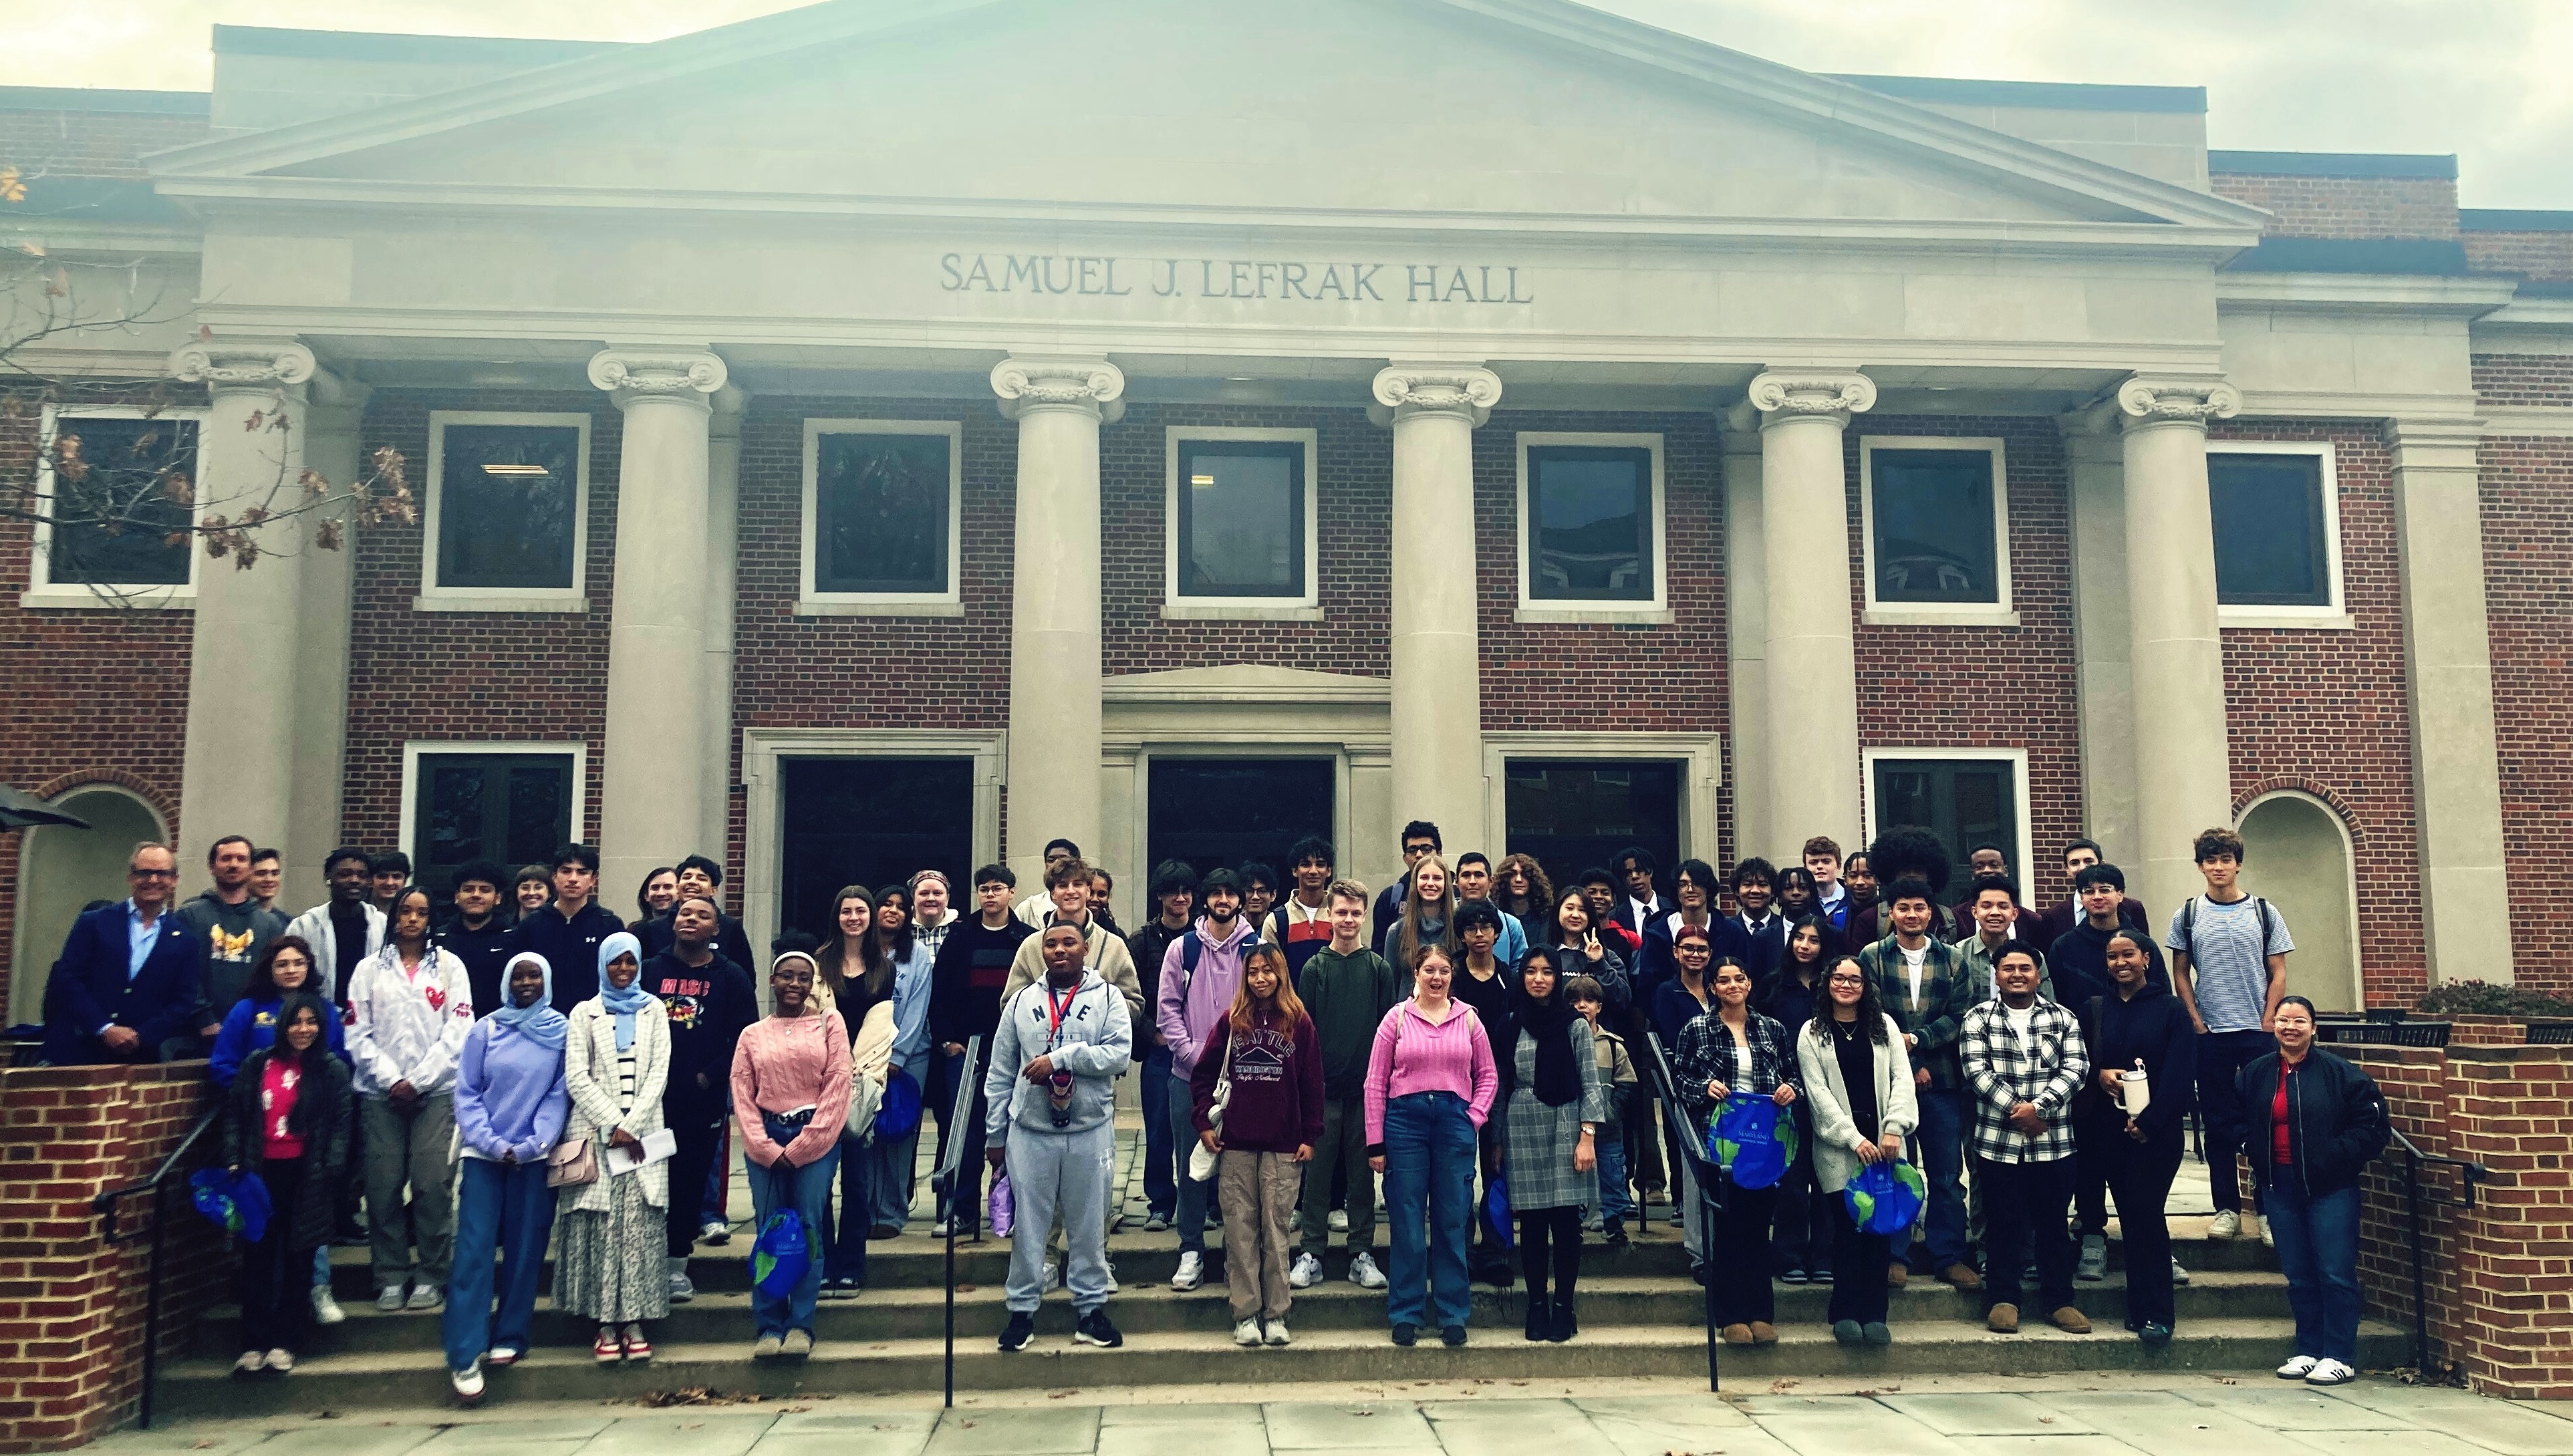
(2485, 79)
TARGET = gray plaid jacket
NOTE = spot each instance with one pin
(2003, 1073)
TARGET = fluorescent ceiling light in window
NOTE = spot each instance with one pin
(1202, 481)
(515, 470)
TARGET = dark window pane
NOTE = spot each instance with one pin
(1933, 512)
(506, 505)
(1966, 802)
(1590, 535)
(2269, 543)
(511, 807)
(872, 822)
(1242, 519)
(1577, 816)
(1212, 812)
(880, 502)
(113, 509)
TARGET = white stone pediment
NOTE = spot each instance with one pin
(1447, 114)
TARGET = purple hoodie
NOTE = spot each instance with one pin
(1184, 1007)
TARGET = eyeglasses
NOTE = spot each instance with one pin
(152, 874)
(1849, 981)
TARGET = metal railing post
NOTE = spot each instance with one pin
(1701, 1171)
(962, 1134)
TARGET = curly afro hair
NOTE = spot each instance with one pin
(1910, 851)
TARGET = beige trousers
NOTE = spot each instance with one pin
(1256, 1192)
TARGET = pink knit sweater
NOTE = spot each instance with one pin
(786, 1062)
(1451, 1055)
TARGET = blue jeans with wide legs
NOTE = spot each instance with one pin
(1429, 1181)
(2318, 1251)
(1942, 1156)
(807, 1190)
(503, 1209)
(843, 1245)
(1161, 1179)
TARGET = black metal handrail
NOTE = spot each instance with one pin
(944, 1182)
(2415, 1200)
(1708, 1178)
(105, 1206)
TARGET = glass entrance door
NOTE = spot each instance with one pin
(1210, 812)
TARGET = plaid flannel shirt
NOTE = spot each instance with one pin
(1947, 994)
(1706, 1055)
(2003, 1073)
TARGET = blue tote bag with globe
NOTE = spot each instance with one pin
(1885, 1197)
(1753, 1140)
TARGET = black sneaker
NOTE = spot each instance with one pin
(1406, 1335)
(1021, 1333)
(1451, 1336)
(1095, 1329)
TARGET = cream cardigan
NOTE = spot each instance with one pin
(589, 1071)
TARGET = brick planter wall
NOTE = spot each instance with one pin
(71, 1306)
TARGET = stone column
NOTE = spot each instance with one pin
(2183, 774)
(2456, 762)
(333, 447)
(723, 559)
(1437, 710)
(1055, 729)
(1746, 635)
(238, 764)
(652, 807)
(1804, 511)
(2102, 638)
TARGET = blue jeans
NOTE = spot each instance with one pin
(897, 1160)
(807, 1190)
(1941, 1153)
(1160, 1177)
(505, 1209)
(717, 1170)
(2318, 1251)
(1614, 1202)
(845, 1243)
(2222, 1056)
(1190, 1212)
(1428, 1169)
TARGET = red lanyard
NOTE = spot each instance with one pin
(1056, 1011)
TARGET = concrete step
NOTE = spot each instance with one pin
(388, 1381)
(1609, 1298)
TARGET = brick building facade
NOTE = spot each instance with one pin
(1809, 316)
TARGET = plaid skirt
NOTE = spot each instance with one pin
(1537, 1141)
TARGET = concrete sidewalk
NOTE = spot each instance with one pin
(1949, 1416)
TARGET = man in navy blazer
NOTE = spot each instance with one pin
(127, 980)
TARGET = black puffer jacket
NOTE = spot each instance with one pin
(322, 1117)
(2335, 1121)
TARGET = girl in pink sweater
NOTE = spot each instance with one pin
(1431, 1083)
(790, 1087)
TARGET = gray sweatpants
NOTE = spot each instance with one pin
(1059, 1178)
(409, 1147)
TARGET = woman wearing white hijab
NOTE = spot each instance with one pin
(608, 1264)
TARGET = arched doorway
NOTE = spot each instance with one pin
(62, 869)
(2296, 854)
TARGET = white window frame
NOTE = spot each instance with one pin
(577, 750)
(1304, 607)
(435, 598)
(1533, 609)
(45, 592)
(1701, 756)
(2335, 613)
(2021, 862)
(810, 603)
(1995, 613)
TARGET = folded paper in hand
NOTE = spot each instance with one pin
(655, 1148)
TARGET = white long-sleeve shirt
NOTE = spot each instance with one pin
(408, 1025)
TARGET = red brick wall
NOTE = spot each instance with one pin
(1987, 687)
(2329, 708)
(2527, 499)
(89, 143)
(2524, 378)
(71, 1306)
(2347, 206)
(2547, 257)
(469, 675)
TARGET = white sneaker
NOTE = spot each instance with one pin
(715, 1230)
(1340, 1220)
(1191, 1273)
(282, 1361)
(682, 1289)
(325, 1309)
(2179, 1276)
(1364, 1273)
(2228, 1225)
(390, 1300)
(425, 1297)
(1111, 1265)
(251, 1361)
(2268, 1236)
(2330, 1372)
(2298, 1368)
(1052, 1279)
(1278, 1333)
(1246, 1333)
(1305, 1273)
(468, 1382)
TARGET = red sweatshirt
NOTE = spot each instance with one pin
(1277, 1104)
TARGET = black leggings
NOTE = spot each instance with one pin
(1562, 1228)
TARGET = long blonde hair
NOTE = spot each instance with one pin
(1291, 1009)
(1407, 935)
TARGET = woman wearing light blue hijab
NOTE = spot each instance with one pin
(609, 1265)
(510, 1106)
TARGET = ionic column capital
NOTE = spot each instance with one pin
(2149, 399)
(1090, 387)
(667, 376)
(1407, 390)
(241, 365)
(1783, 395)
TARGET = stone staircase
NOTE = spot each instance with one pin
(1639, 1313)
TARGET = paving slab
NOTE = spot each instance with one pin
(1211, 1430)
(1469, 1426)
(2286, 1405)
(1988, 1415)
(1049, 1432)
(1853, 1425)
(697, 1432)
(811, 1433)
(192, 1437)
(1307, 1425)
(2092, 1445)
(561, 1436)
(1643, 1426)
(1702, 1409)
(344, 1438)
(2513, 1427)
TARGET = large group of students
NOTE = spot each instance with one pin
(528, 1077)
